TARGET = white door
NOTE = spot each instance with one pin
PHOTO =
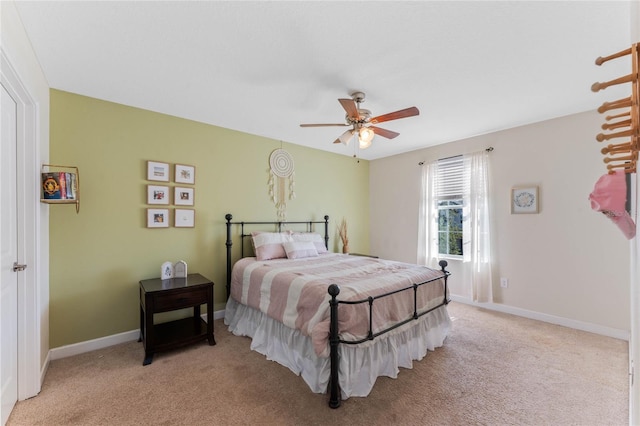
(8, 255)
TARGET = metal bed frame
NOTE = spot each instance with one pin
(334, 291)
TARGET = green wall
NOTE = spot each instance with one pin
(98, 256)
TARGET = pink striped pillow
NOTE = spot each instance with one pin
(314, 237)
(300, 249)
(268, 245)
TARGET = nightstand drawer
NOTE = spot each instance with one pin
(170, 301)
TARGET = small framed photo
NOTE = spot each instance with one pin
(157, 218)
(166, 271)
(185, 174)
(524, 200)
(183, 196)
(157, 194)
(184, 218)
(157, 171)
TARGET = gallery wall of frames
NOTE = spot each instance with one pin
(169, 198)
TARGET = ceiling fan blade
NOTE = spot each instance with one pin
(349, 105)
(384, 132)
(345, 138)
(325, 125)
(403, 113)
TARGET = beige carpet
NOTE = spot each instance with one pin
(494, 369)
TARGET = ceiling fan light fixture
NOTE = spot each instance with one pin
(365, 136)
(345, 138)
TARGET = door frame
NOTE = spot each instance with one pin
(31, 366)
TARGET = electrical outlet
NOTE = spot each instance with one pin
(504, 282)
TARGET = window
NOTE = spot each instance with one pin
(449, 196)
(450, 227)
(453, 218)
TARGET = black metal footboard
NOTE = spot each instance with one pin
(334, 338)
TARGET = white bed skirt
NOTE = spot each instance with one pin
(360, 365)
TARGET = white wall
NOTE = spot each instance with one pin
(17, 48)
(568, 261)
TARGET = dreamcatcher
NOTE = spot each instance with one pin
(281, 164)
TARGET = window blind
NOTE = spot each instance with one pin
(450, 178)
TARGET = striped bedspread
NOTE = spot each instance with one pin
(294, 292)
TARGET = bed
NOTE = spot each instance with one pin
(337, 320)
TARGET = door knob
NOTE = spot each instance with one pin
(18, 267)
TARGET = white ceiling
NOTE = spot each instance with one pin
(471, 67)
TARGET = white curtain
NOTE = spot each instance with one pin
(477, 225)
(428, 217)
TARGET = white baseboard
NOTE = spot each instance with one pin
(103, 342)
(566, 322)
(92, 345)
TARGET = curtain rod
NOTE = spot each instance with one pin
(453, 156)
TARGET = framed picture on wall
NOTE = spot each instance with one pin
(524, 199)
(157, 171)
(185, 174)
(183, 196)
(184, 218)
(157, 218)
(157, 194)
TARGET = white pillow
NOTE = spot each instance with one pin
(314, 237)
(268, 245)
(300, 249)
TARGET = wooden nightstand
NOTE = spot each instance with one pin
(158, 295)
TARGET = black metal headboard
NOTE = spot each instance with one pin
(278, 228)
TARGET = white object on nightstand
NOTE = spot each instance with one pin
(166, 271)
(180, 269)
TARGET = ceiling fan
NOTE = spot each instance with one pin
(362, 123)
